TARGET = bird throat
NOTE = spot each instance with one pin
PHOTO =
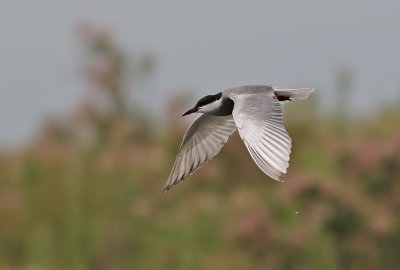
(226, 108)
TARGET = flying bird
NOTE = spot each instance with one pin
(256, 111)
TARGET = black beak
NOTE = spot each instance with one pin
(192, 110)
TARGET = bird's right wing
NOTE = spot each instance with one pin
(258, 116)
(203, 140)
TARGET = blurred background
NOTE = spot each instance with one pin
(90, 105)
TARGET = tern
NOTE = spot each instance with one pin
(256, 111)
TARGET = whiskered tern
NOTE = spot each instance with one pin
(256, 111)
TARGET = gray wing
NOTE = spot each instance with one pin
(258, 116)
(203, 140)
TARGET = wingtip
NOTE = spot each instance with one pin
(281, 177)
(166, 188)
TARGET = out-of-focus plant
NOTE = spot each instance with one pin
(344, 84)
(108, 109)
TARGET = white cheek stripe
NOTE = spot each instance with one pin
(211, 107)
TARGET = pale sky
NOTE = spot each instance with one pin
(205, 45)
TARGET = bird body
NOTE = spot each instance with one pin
(256, 111)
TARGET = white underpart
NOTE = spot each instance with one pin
(211, 107)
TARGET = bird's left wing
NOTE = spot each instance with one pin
(203, 140)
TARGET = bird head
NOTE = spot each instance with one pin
(207, 104)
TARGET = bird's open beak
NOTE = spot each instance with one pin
(192, 110)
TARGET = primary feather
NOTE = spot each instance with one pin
(203, 140)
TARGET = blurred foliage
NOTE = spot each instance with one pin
(87, 194)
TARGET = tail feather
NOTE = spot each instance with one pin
(290, 94)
